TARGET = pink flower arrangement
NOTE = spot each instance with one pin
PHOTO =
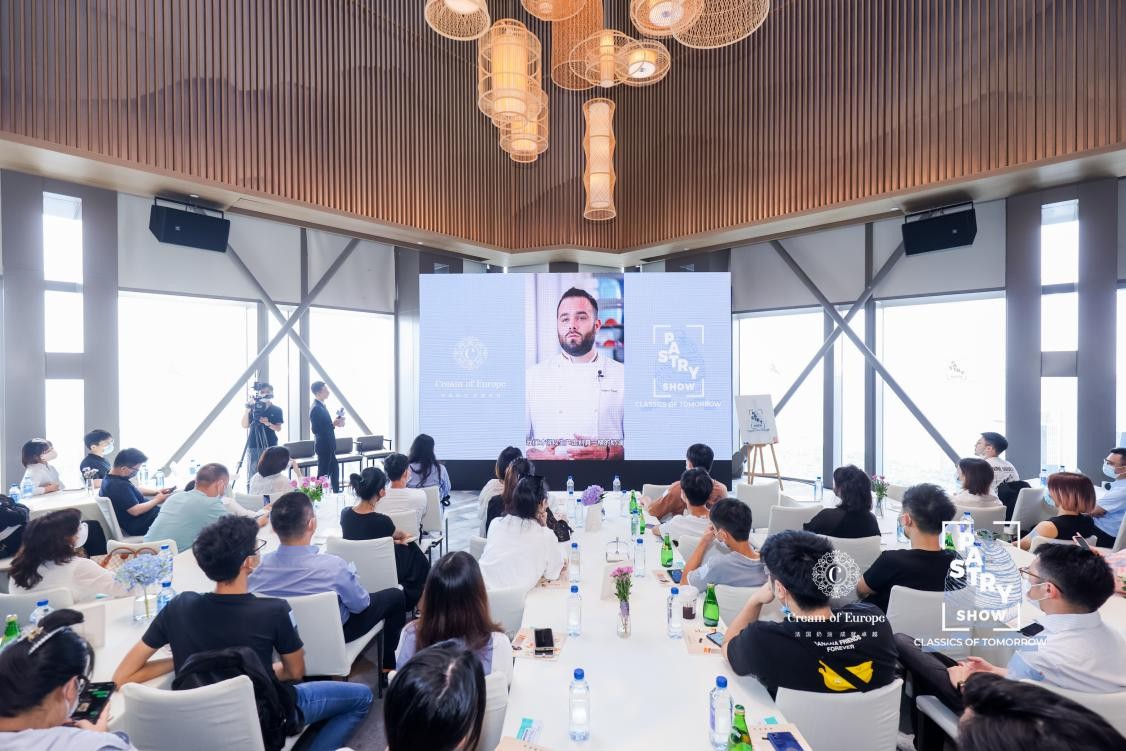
(879, 485)
(314, 487)
(623, 582)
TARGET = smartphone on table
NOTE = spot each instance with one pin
(675, 574)
(92, 701)
(716, 638)
(545, 641)
(783, 742)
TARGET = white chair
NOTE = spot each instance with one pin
(374, 560)
(432, 518)
(216, 717)
(106, 508)
(895, 492)
(1110, 706)
(1030, 509)
(477, 547)
(857, 721)
(506, 607)
(687, 544)
(760, 499)
(939, 713)
(496, 704)
(863, 550)
(22, 604)
(920, 614)
(984, 518)
(652, 492)
(783, 518)
(1120, 540)
(732, 600)
(154, 546)
(318, 621)
(253, 502)
(405, 521)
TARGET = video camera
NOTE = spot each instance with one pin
(257, 404)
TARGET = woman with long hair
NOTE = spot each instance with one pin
(500, 504)
(520, 548)
(455, 606)
(271, 477)
(36, 455)
(436, 702)
(852, 517)
(426, 470)
(48, 559)
(364, 522)
(42, 676)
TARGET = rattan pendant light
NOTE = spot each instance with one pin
(555, 10)
(508, 73)
(599, 176)
(643, 62)
(463, 20)
(724, 22)
(525, 140)
(662, 18)
(596, 58)
(565, 35)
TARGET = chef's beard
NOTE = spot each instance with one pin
(582, 347)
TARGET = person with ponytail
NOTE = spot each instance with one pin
(501, 504)
(363, 522)
(42, 676)
(520, 549)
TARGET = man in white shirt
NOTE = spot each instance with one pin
(1111, 507)
(399, 497)
(990, 447)
(575, 398)
(696, 486)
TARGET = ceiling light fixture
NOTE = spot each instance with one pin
(662, 18)
(525, 140)
(555, 10)
(460, 20)
(724, 22)
(508, 73)
(565, 35)
(599, 176)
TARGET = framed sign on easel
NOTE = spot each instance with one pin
(758, 430)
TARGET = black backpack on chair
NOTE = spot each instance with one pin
(276, 702)
(1007, 493)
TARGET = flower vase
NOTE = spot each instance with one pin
(880, 504)
(623, 620)
(144, 606)
(594, 517)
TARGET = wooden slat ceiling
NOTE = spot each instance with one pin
(357, 107)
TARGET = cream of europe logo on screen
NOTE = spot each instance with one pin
(470, 353)
(678, 368)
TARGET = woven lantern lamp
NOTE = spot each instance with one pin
(662, 18)
(555, 10)
(643, 62)
(462, 20)
(724, 22)
(599, 176)
(565, 35)
(525, 140)
(508, 73)
(596, 57)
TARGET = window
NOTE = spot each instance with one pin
(358, 350)
(285, 377)
(66, 426)
(62, 238)
(1121, 371)
(850, 365)
(1059, 243)
(949, 356)
(1059, 330)
(178, 355)
(773, 349)
(1059, 405)
(62, 321)
(1059, 322)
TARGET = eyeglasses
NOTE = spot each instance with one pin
(1028, 573)
(258, 545)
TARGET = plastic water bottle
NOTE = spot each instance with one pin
(580, 512)
(1043, 477)
(165, 595)
(42, 608)
(574, 612)
(635, 523)
(570, 488)
(14, 493)
(143, 474)
(967, 524)
(158, 478)
(900, 533)
(617, 485)
(639, 557)
(818, 489)
(674, 617)
(193, 467)
(719, 714)
(579, 726)
(574, 564)
(27, 488)
(166, 555)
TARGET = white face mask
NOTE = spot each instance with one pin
(73, 706)
(83, 534)
(108, 449)
(49, 455)
(1110, 470)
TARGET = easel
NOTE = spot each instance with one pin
(755, 454)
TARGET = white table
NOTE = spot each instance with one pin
(64, 499)
(646, 691)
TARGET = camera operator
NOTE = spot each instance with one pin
(264, 420)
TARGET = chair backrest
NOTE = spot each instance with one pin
(253, 502)
(760, 497)
(863, 550)
(301, 449)
(506, 607)
(106, 508)
(318, 622)
(344, 444)
(1037, 541)
(374, 560)
(477, 546)
(1110, 706)
(1029, 509)
(686, 545)
(405, 521)
(732, 600)
(369, 443)
(856, 721)
(920, 614)
(23, 603)
(785, 517)
(220, 716)
(984, 518)
(1120, 540)
(496, 704)
(432, 519)
(895, 492)
(652, 492)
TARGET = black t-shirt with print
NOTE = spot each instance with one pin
(914, 569)
(853, 652)
(96, 463)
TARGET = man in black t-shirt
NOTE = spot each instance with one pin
(264, 430)
(815, 648)
(134, 514)
(99, 445)
(926, 564)
(227, 551)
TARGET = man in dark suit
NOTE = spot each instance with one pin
(324, 435)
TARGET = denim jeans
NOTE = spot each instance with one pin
(343, 704)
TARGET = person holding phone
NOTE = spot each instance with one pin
(42, 680)
(1074, 495)
(134, 514)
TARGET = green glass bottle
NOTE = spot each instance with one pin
(711, 607)
(948, 541)
(740, 739)
(666, 553)
(634, 506)
(11, 631)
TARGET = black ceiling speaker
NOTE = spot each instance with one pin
(193, 226)
(939, 229)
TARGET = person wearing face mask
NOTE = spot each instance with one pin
(99, 445)
(134, 514)
(990, 447)
(815, 648)
(186, 513)
(41, 679)
(35, 457)
(1075, 650)
(48, 559)
(1111, 508)
(192, 622)
(1074, 495)
(738, 565)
